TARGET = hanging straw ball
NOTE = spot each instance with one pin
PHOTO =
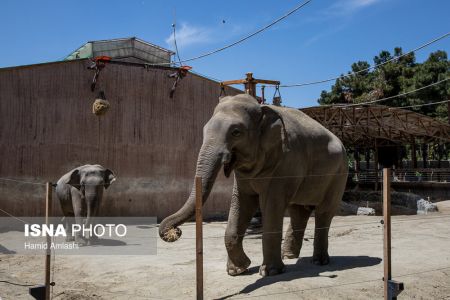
(100, 106)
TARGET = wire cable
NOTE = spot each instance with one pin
(21, 181)
(295, 9)
(17, 284)
(12, 216)
(369, 68)
(174, 25)
(390, 97)
(425, 104)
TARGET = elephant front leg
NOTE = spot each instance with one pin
(272, 209)
(293, 240)
(69, 220)
(241, 211)
(78, 209)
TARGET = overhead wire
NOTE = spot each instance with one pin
(174, 25)
(295, 9)
(391, 97)
(424, 104)
(369, 68)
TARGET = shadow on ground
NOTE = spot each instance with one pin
(304, 268)
(4, 250)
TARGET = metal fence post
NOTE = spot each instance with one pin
(48, 213)
(199, 236)
(387, 229)
(391, 288)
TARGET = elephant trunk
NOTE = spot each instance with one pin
(208, 165)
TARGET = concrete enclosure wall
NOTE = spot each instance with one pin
(149, 140)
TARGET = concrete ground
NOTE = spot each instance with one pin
(420, 251)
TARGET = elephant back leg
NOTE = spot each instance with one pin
(324, 213)
(299, 215)
(322, 226)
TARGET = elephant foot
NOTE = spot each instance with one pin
(290, 251)
(321, 259)
(290, 255)
(271, 269)
(92, 240)
(234, 270)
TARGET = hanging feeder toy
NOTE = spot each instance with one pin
(100, 105)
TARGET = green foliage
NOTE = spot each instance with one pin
(396, 77)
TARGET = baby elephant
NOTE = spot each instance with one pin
(80, 193)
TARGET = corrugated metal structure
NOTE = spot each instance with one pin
(148, 139)
(126, 49)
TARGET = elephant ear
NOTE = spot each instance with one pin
(273, 129)
(109, 178)
(74, 179)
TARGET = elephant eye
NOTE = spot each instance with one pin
(236, 132)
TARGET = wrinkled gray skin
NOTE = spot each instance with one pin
(80, 193)
(282, 160)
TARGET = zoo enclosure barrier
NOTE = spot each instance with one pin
(199, 237)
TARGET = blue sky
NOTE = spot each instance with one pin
(319, 41)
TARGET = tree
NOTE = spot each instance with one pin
(395, 77)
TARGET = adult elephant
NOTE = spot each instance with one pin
(80, 193)
(282, 159)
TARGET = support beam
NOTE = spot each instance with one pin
(250, 83)
(413, 154)
(357, 163)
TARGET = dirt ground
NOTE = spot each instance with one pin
(420, 250)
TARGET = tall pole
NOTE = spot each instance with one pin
(263, 99)
(48, 213)
(387, 230)
(199, 236)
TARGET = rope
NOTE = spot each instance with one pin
(369, 68)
